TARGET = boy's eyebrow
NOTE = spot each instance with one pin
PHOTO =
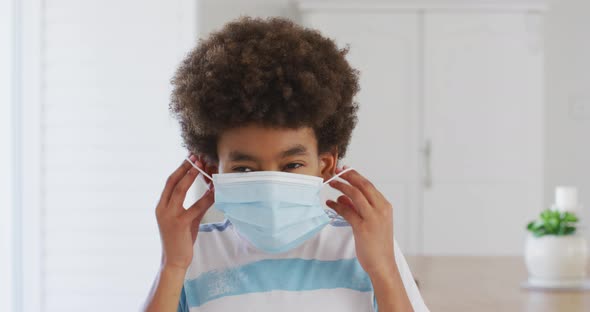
(295, 150)
(239, 156)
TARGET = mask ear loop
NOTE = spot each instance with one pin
(339, 174)
(201, 171)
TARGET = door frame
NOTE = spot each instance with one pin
(28, 151)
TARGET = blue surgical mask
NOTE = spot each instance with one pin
(275, 211)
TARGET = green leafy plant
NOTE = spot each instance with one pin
(553, 222)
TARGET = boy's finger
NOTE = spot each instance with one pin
(179, 192)
(363, 184)
(199, 208)
(357, 197)
(348, 213)
(174, 178)
(343, 199)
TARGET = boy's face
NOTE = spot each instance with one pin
(256, 148)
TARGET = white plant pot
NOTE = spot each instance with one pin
(556, 261)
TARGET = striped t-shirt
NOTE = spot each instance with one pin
(322, 274)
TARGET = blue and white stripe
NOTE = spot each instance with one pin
(228, 273)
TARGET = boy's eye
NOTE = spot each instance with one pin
(242, 169)
(292, 166)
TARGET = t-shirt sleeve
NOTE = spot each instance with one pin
(408, 280)
(182, 303)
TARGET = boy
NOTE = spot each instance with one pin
(266, 108)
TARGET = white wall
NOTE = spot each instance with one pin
(108, 144)
(568, 99)
(213, 14)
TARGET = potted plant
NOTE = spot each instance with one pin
(555, 254)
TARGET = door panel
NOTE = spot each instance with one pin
(483, 117)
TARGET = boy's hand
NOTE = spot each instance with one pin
(179, 226)
(371, 218)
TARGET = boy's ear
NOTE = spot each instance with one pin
(328, 163)
(211, 167)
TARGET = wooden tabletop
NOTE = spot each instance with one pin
(483, 284)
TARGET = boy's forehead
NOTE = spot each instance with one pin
(265, 142)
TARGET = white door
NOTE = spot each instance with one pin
(384, 147)
(483, 118)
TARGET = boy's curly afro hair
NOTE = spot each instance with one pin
(271, 72)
